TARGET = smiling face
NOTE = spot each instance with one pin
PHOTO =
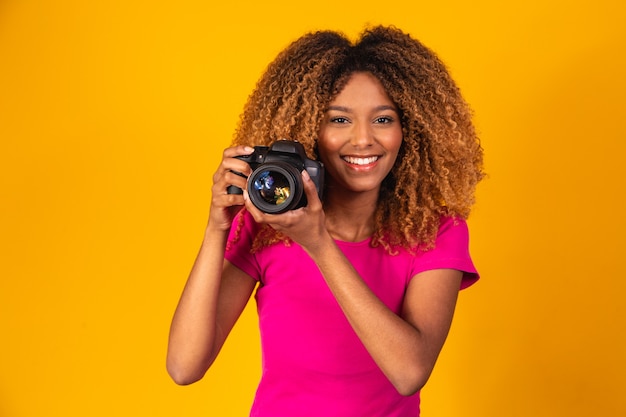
(360, 136)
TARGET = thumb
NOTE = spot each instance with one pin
(310, 189)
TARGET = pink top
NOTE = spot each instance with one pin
(313, 362)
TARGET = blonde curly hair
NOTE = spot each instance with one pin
(440, 160)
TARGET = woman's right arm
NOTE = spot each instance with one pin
(216, 291)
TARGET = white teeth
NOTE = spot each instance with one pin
(360, 161)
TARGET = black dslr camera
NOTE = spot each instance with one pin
(275, 185)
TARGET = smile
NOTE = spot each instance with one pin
(360, 161)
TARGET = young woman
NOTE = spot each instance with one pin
(355, 291)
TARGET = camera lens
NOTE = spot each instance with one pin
(275, 188)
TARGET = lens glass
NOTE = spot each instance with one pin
(273, 187)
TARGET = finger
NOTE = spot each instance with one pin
(237, 151)
(229, 159)
(234, 170)
(257, 214)
(222, 198)
(312, 196)
(236, 180)
(277, 221)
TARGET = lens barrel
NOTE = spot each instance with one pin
(276, 188)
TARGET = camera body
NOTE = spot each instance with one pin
(275, 185)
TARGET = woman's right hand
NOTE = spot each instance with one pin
(225, 206)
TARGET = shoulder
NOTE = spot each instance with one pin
(450, 251)
(242, 233)
(452, 230)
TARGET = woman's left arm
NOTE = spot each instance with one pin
(405, 346)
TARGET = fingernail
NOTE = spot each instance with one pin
(306, 176)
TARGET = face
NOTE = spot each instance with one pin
(360, 136)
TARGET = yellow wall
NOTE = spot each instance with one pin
(113, 116)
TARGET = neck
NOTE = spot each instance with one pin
(350, 216)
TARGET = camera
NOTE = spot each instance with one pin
(275, 185)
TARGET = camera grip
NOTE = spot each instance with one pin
(233, 189)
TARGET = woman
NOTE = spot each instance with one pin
(355, 293)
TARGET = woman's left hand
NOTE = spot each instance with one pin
(305, 225)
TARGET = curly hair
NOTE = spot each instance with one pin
(440, 161)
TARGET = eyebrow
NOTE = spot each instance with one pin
(378, 108)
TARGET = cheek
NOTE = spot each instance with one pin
(395, 149)
(322, 151)
(395, 142)
(326, 145)
(324, 156)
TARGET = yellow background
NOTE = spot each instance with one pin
(113, 116)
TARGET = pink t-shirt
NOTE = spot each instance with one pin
(313, 362)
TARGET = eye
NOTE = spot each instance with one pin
(383, 120)
(339, 120)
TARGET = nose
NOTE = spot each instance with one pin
(362, 135)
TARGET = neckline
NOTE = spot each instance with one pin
(350, 243)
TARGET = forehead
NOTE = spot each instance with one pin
(362, 89)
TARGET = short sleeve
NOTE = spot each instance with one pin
(451, 251)
(238, 248)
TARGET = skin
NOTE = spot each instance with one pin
(358, 142)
